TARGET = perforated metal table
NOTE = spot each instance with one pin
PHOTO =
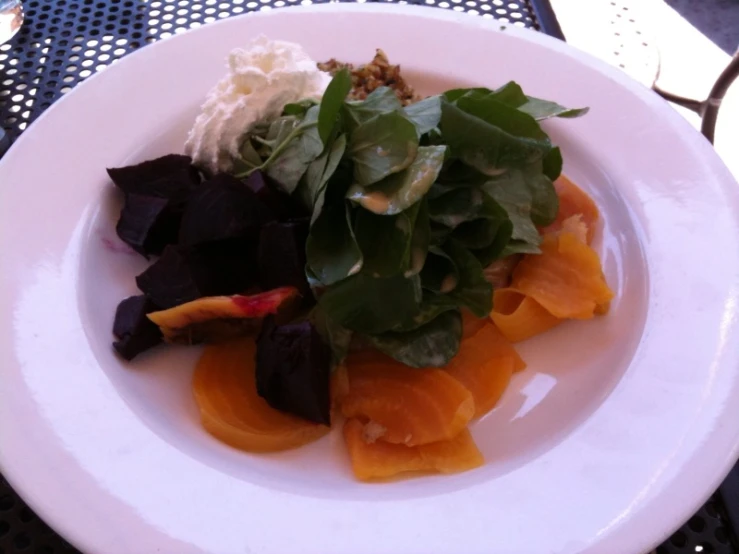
(65, 41)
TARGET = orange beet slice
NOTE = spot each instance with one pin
(484, 364)
(471, 324)
(565, 279)
(379, 459)
(409, 406)
(519, 317)
(230, 408)
(573, 201)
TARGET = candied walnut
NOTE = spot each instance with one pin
(378, 73)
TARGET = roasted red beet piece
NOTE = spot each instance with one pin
(148, 224)
(293, 370)
(223, 207)
(282, 256)
(186, 273)
(281, 204)
(133, 329)
(159, 177)
(156, 193)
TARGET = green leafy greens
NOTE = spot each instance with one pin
(409, 204)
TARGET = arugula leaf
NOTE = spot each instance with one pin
(432, 305)
(496, 248)
(543, 109)
(298, 108)
(439, 274)
(486, 146)
(291, 157)
(332, 102)
(519, 247)
(512, 95)
(420, 239)
(525, 195)
(401, 190)
(461, 205)
(479, 233)
(385, 241)
(331, 250)
(380, 100)
(430, 345)
(381, 146)
(425, 114)
(371, 305)
(552, 163)
(318, 174)
(473, 290)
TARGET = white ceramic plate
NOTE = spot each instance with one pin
(616, 433)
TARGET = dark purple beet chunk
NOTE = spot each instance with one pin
(293, 370)
(221, 208)
(159, 177)
(156, 193)
(187, 273)
(282, 256)
(281, 204)
(135, 332)
(147, 223)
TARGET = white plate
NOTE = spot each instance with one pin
(616, 433)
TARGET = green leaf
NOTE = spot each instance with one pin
(371, 305)
(332, 102)
(473, 290)
(529, 197)
(381, 146)
(431, 345)
(331, 249)
(298, 108)
(432, 305)
(479, 233)
(385, 241)
(461, 205)
(496, 248)
(512, 193)
(425, 114)
(544, 109)
(401, 190)
(519, 247)
(439, 274)
(318, 174)
(291, 157)
(552, 163)
(490, 136)
(420, 240)
(336, 336)
(512, 95)
(381, 100)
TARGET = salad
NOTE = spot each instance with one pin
(348, 251)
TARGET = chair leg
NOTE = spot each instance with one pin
(708, 109)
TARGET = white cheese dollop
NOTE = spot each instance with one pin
(261, 79)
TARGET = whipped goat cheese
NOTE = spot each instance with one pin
(261, 79)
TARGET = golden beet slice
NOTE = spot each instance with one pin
(379, 459)
(484, 364)
(231, 410)
(406, 405)
(573, 201)
(519, 317)
(566, 279)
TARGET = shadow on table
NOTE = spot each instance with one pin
(716, 19)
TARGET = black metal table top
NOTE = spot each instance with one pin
(65, 41)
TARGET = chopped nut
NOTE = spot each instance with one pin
(378, 73)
